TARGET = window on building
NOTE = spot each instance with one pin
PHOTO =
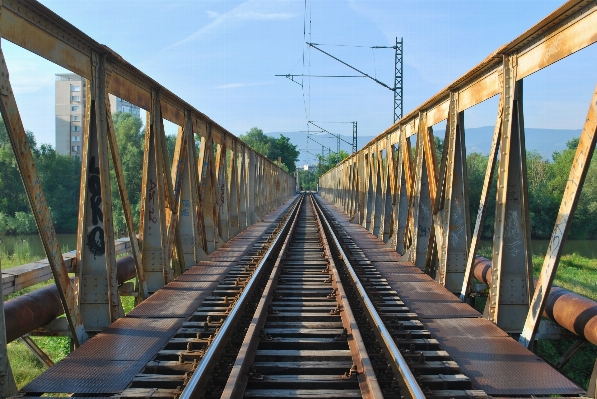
(75, 148)
(75, 88)
(75, 118)
(75, 98)
(76, 138)
(75, 128)
(75, 108)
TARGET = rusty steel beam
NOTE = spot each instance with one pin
(578, 172)
(37, 201)
(30, 311)
(571, 311)
(570, 28)
(34, 27)
(95, 274)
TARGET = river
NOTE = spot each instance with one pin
(68, 242)
(586, 248)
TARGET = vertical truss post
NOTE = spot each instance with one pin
(251, 181)
(8, 387)
(390, 194)
(369, 204)
(578, 172)
(453, 209)
(359, 199)
(172, 186)
(421, 199)
(39, 208)
(192, 251)
(96, 255)
(258, 193)
(242, 187)
(233, 190)
(491, 161)
(208, 191)
(398, 89)
(432, 177)
(511, 285)
(378, 203)
(355, 147)
(592, 388)
(412, 214)
(222, 178)
(126, 206)
(152, 234)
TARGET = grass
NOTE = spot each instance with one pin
(25, 366)
(21, 256)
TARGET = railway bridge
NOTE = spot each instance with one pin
(245, 286)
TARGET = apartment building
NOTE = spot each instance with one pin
(70, 112)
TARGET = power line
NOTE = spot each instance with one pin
(290, 76)
(351, 67)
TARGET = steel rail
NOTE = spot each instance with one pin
(366, 377)
(238, 376)
(409, 378)
(201, 374)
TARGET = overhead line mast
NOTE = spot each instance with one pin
(398, 78)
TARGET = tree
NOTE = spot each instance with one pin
(130, 140)
(309, 180)
(59, 176)
(257, 140)
(273, 148)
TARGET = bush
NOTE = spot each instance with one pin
(25, 223)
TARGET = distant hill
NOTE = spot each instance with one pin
(544, 141)
(478, 139)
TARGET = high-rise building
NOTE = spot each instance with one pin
(70, 112)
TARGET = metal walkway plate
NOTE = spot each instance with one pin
(177, 299)
(107, 362)
(501, 366)
(430, 300)
(492, 360)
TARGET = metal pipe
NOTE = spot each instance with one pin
(571, 311)
(28, 312)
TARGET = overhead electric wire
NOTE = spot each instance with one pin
(289, 75)
(351, 67)
(350, 45)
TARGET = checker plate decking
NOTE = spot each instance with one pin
(108, 362)
(492, 360)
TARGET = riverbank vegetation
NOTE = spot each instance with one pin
(546, 183)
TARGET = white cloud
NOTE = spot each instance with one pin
(252, 10)
(237, 85)
(212, 14)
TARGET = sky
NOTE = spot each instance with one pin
(222, 57)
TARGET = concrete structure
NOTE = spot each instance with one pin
(310, 168)
(120, 105)
(70, 112)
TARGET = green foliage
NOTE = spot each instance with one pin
(130, 140)
(309, 180)
(24, 364)
(59, 176)
(546, 183)
(272, 147)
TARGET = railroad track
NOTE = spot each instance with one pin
(304, 315)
